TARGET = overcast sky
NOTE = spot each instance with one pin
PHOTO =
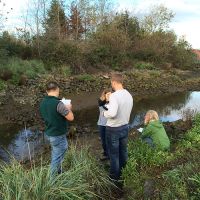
(186, 22)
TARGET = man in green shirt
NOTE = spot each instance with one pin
(154, 133)
(56, 116)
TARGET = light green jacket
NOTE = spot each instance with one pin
(157, 133)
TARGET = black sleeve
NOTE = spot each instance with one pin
(101, 103)
(105, 108)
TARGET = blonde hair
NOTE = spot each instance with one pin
(153, 115)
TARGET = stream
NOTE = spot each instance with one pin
(21, 142)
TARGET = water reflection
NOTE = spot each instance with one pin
(169, 108)
(23, 145)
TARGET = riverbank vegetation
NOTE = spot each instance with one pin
(152, 174)
(90, 36)
(149, 174)
(83, 178)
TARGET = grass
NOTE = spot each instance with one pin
(17, 69)
(83, 179)
(145, 65)
(2, 85)
(175, 174)
(86, 77)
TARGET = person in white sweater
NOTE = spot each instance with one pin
(118, 116)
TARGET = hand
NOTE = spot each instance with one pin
(103, 97)
(108, 96)
(146, 120)
(69, 107)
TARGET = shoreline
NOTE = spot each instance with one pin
(20, 104)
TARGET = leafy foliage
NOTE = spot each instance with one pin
(18, 70)
(175, 174)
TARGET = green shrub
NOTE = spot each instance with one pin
(17, 68)
(141, 158)
(142, 65)
(146, 156)
(86, 77)
(195, 179)
(182, 182)
(2, 85)
(192, 137)
(63, 70)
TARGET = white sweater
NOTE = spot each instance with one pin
(119, 108)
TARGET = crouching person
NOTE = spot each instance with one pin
(56, 116)
(154, 133)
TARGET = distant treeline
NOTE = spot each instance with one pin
(90, 34)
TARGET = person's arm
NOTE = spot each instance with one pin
(147, 131)
(113, 108)
(65, 111)
(101, 102)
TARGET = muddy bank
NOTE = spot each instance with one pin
(89, 137)
(19, 104)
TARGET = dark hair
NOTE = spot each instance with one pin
(117, 78)
(52, 86)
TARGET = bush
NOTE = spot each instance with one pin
(86, 77)
(141, 158)
(181, 182)
(84, 179)
(56, 54)
(17, 69)
(14, 46)
(2, 85)
(143, 65)
(175, 174)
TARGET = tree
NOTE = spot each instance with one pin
(158, 19)
(130, 25)
(76, 28)
(55, 24)
(88, 14)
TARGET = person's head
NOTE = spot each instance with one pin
(52, 89)
(117, 81)
(104, 92)
(151, 115)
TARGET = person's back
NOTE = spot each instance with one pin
(157, 132)
(55, 115)
(55, 123)
(118, 115)
(124, 103)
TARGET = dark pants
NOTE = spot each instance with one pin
(117, 139)
(149, 141)
(102, 131)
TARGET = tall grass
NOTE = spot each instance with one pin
(82, 179)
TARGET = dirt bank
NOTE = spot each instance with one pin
(19, 104)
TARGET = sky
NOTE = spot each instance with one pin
(186, 22)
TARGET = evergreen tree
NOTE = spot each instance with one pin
(56, 24)
(130, 25)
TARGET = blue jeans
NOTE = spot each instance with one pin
(149, 141)
(117, 139)
(59, 146)
(102, 131)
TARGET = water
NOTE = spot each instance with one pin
(169, 107)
